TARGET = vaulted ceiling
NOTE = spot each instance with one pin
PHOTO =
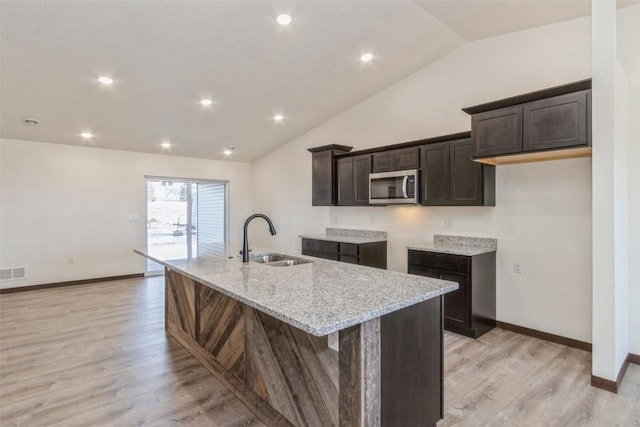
(165, 56)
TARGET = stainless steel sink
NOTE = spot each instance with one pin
(277, 260)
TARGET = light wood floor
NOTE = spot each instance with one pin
(97, 355)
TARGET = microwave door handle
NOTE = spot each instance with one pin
(405, 181)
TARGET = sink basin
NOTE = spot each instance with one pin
(277, 260)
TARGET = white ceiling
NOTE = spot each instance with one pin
(165, 55)
(478, 19)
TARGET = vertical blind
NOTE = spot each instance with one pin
(208, 212)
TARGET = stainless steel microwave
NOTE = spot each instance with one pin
(398, 187)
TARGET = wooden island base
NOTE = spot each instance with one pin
(387, 372)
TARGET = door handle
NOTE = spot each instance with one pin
(405, 181)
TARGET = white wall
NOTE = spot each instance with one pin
(634, 219)
(543, 213)
(628, 34)
(61, 200)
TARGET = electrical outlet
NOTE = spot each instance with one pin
(134, 217)
(71, 259)
(446, 223)
(517, 267)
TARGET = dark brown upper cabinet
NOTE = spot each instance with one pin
(448, 175)
(399, 159)
(556, 122)
(323, 174)
(451, 178)
(549, 124)
(435, 174)
(353, 180)
(497, 132)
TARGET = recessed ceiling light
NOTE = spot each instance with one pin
(105, 80)
(284, 19)
(165, 144)
(278, 117)
(366, 57)
(206, 102)
(227, 151)
(86, 135)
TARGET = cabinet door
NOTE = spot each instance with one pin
(457, 304)
(322, 193)
(435, 168)
(556, 122)
(393, 160)
(407, 158)
(346, 189)
(361, 171)
(466, 185)
(497, 132)
(384, 161)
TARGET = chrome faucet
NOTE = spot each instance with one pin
(245, 244)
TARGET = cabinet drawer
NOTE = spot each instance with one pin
(319, 246)
(349, 259)
(348, 249)
(457, 263)
(326, 255)
(425, 271)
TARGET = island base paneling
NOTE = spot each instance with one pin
(221, 329)
(295, 372)
(288, 377)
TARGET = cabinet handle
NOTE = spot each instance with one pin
(405, 181)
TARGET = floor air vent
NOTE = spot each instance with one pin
(13, 273)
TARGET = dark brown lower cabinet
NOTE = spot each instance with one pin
(369, 254)
(470, 310)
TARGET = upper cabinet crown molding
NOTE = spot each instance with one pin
(529, 97)
(549, 124)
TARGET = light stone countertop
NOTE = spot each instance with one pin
(320, 298)
(345, 235)
(458, 245)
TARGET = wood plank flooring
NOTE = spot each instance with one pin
(97, 355)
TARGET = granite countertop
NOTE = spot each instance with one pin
(343, 235)
(320, 297)
(458, 245)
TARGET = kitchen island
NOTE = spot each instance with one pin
(318, 343)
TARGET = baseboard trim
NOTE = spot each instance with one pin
(569, 342)
(614, 386)
(604, 384)
(70, 283)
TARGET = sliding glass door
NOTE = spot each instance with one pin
(184, 216)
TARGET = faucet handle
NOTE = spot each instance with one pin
(240, 251)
